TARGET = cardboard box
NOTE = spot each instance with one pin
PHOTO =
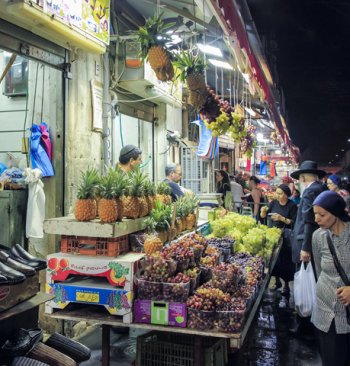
(89, 291)
(119, 271)
(160, 312)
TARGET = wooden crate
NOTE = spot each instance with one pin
(86, 245)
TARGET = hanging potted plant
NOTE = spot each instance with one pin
(191, 70)
(152, 37)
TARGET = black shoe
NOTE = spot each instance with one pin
(22, 341)
(13, 276)
(20, 267)
(22, 256)
(285, 291)
(75, 350)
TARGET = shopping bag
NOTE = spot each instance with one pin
(304, 290)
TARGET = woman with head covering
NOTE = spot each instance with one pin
(283, 212)
(334, 184)
(332, 296)
(289, 182)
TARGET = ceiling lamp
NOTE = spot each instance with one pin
(250, 111)
(221, 64)
(210, 50)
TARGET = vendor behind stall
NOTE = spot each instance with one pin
(173, 173)
(129, 158)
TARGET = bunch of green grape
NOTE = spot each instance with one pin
(220, 125)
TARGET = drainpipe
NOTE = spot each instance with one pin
(105, 110)
(114, 113)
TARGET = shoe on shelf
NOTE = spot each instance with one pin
(20, 267)
(26, 361)
(22, 341)
(75, 350)
(51, 356)
(21, 255)
(13, 276)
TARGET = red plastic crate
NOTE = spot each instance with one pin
(111, 247)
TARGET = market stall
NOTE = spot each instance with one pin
(202, 287)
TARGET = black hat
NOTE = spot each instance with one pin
(308, 166)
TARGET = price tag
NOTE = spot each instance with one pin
(87, 297)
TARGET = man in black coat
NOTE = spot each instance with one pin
(304, 226)
(309, 179)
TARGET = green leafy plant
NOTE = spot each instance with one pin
(188, 63)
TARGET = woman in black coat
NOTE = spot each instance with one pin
(283, 212)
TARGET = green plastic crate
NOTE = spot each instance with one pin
(173, 349)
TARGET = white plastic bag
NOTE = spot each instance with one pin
(36, 204)
(304, 290)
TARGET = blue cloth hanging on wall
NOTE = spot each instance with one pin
(263, 168)
(208, 147)
(38, 155)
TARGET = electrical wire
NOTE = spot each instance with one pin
(42, 94)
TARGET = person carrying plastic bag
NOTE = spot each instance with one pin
(304, 290)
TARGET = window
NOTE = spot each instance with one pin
(16, 80)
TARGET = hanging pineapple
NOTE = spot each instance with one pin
(107, 205)
(164, 193)
(192, 71)
(153, 38)
(133, 193)
(85, 205)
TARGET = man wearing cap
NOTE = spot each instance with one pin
(308, 175)
(129, 158)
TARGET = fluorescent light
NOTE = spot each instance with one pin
(250, 111)
(278, 151)
(260, 137)
(222, 64)
(210, 50)
(246, 77)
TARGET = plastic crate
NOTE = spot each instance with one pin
(85, 245)
(171, 349)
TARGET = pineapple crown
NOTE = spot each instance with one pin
(106, 186)
(153, 33)
(136, 181)
(188, 63)
(164, 188)
(161, 215)
(120, 182)
(88, 184)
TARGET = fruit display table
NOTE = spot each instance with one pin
(94, 314)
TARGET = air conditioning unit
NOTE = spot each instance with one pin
(143, 82)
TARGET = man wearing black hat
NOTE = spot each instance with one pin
(129, 158)
(308, 175)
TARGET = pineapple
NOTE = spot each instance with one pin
(191, 217)
(159, 220)
(152, 244)
(153, 37)
(150, 191)
(120, 184)
(163, 193)
(85, 206)
(191, 68)
(107, 206)
(132, 200)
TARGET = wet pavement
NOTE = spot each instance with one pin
(268, 343)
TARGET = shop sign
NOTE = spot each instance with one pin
(91, 16)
